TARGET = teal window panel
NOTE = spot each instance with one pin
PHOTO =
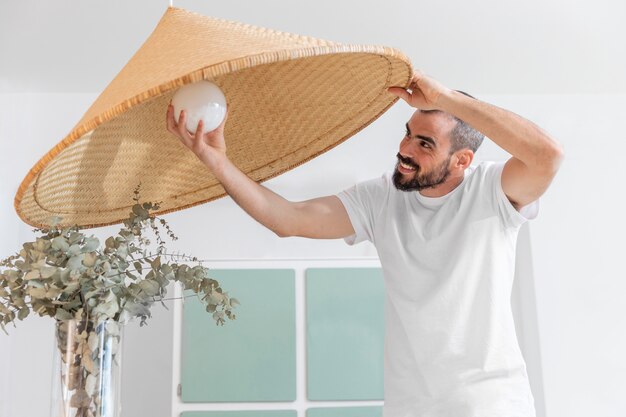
(245, 413)
(251, 358)
(345, 411)
(345, 333)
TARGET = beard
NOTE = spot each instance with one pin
(419, 181)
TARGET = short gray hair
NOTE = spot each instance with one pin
(462, 135)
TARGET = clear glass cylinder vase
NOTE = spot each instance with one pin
(86, 373)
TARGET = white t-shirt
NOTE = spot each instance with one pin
(448, 265)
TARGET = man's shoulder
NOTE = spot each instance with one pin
(482, 175)
(372, 185)
(382, 180)
(484, 165)
(484, 168)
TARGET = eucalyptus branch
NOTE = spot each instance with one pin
(35, 280)
(171, 255)
(178, 298)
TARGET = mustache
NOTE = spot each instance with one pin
(407, 161)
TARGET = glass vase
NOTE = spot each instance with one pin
(86, 373)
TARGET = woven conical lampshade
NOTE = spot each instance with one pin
(290, 98)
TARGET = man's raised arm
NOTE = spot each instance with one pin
(320, 218)
(536, 156)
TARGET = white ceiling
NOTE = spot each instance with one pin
(489, 46)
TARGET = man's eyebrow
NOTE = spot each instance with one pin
(424, 138)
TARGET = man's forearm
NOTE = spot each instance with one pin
(264, 205)
(516, 135)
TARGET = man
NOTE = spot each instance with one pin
(445, 232)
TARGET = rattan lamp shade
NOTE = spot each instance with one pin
(290, 98)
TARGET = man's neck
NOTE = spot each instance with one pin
(443, 189)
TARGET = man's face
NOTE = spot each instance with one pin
(424, 158)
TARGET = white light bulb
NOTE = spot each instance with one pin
(202, 100)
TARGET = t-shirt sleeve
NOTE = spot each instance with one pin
(362, 202)
(508, 213)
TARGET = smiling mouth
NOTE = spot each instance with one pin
(406, 168)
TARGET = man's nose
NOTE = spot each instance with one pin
(407, 149)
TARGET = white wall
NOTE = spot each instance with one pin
(578, 248)
(490, 46)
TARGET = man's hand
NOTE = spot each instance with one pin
(209, 148)
(423, 92)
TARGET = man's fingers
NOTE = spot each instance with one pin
(182, 126)
(417, 75)
(400, 92)
(178, 128)
(169, 119)
(198, 134)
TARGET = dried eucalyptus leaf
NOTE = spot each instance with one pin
(60, 243)
(162, 280)
(93, 341)
(62, 315)
(87, 363)
(53, 292)
(74, 378)
(108, 309)
(76, 262)
(110, 297)
(80, 399)
(34, 274)
(166, 269)
(122, 251)
(140, 211)
(89, 259)
(113, 328)
(37, 292)
(23, 313)
(136, 309)
(48, 271)
(90, 294)
(156, 263)
(70, 287)
(110, 242)
(90, 385)
(74, 249)
(216, 298)
(106, 266)
(75, 237)
(41, 244)
(149, 287)
(91, 244)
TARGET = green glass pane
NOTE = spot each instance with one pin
(345, 412)
(246, 413)
(345, 333)
(251, 358)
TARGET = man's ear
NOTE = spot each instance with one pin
(464, 158)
